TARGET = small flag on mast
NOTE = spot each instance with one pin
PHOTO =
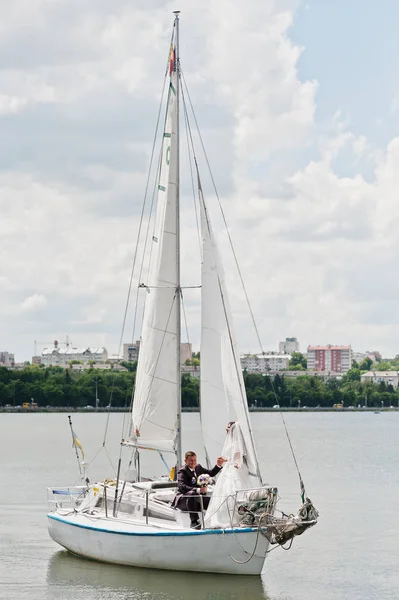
(76, 443)
(172, 60)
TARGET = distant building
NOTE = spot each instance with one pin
(332, 359)
(186, 352)
(374, 355)
(99, 366)
(192, 371)
(358, 357)
(114, 358)
(196, 372)
(289, 346)
(131, 352)
(63, 356)
(262, 363)
(7, 359)
(324, 375)
(388, 377)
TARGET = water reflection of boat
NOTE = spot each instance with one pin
(65, 570)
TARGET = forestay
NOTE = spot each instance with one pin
(155, 405)
(223, 396)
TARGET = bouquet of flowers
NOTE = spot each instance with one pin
(204, 480)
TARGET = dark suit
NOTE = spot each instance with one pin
(188, 490)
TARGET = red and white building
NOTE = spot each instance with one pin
(330, 359)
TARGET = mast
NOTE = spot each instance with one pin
(178, 288)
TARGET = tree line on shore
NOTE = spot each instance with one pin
(58, 387)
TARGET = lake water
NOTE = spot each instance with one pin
(350, 466)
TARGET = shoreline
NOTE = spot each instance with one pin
(64, 409)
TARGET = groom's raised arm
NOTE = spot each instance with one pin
(216, 468)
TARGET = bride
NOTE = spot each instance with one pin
(234, 476)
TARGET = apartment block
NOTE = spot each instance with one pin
(7, 359)
(290, 345)
(332, 359)
(262, 363)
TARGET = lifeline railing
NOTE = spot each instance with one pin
(66, 497)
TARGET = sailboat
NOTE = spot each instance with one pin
(129, 520)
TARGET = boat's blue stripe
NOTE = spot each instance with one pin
(65, 493)
(159, 534)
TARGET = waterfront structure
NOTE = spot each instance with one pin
(7, 359)
(333, 359)
(387, 377)
(290, 345)
(262, 363)
(62, 357)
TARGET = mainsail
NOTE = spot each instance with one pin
(156, 405)
(223, 396)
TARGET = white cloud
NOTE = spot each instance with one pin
(33, 303)
(11, 104)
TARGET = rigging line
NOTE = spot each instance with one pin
(142, 265)
(125, 420)
(164, 462)
(157, 174)
(145, 196)
(236, 262)
(168, 287)
(145, 247)
(191, 170)
(147, 236)
(301, 484)
(139, 233)
(156, 182)
(127, 303)
(184, 315)
(155, 187)
(224, 220)
(189, 134)
(293, 453)
(136, 304)
(188, 123)
(196, 200)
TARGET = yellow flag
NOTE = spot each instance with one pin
(77, 444)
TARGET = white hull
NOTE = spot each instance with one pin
(134, 544)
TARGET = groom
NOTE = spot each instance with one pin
(187, 489)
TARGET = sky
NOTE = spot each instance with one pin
(298, 104)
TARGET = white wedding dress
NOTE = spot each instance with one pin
(233, 477)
